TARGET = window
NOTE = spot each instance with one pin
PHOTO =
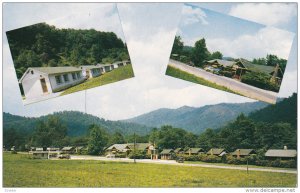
(66, 77)
(58, 79)
(78, 75)
(74, 76)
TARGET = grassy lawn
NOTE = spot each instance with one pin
(115, 75)
(21, 171)
(177, 73)
(232, 165)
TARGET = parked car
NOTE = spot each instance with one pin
(110, 156)
(64, 156)
(180, 159)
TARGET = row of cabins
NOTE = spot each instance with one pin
(167, 154)
(242, 66)
(41, 81)
(53, 152)
(125, 149)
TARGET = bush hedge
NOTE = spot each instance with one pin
(260, 80)
(252, 160)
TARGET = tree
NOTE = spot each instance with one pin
(177, 45)
(98, 139)
(49, 132)
(216, 55)
(200, 53)
(117, 137)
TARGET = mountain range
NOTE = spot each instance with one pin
(198, 119)
(193, 119)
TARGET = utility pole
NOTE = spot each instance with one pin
(247, 167)
(134, 144)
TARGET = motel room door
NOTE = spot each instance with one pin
(44, 85)
(88, 74)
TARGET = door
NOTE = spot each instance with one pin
(88, 74)
(44, 85)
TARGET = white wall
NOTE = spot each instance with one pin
(63, 85)
(32, 85)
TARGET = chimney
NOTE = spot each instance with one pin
(285, 147)
(238, 153)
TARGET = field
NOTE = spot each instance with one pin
(177, 73)
(115, 75)
(21, 171)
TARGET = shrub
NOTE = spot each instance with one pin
(262, 162)
(138, 155)
(226, 73)
(260, 80)
(237, 161)
(191, 157)
(211, 159)
(288, 163)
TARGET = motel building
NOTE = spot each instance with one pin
(91, 71)
(41, 81)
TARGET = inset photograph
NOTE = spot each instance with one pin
(229, 54)
(69, 54)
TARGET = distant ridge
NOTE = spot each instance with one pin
(198, 119)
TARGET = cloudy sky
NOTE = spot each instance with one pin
(232, 36)
(149, 30)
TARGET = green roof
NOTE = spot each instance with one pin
(194, 150)
(281, 153)
(255, 67)
(222, 62)
(243, 152)
(215, 151)
(56, 70)
(119, 147)
(178, 150)
(139, 146)
(89, 67)
(167, 151)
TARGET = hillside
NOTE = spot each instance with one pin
(77, 123)
(43, 45)
(196, 120)
(284, 111)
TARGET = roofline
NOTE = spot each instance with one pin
(26, 72)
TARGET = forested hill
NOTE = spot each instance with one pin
(44, 45)
(284, 111)
(76, 122)
(196, 120)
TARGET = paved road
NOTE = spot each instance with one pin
(243, 89)
(173, 162)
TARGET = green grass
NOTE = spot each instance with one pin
(177, 73)
(21, 171)
(115, 75)
(232, 165)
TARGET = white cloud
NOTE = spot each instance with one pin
(149, 30)
(191, 15)
(273, 14)
(267, 40)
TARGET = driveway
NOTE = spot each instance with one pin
(239, 87)
(173, 162)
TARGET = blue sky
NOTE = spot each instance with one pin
(149, 30)
(232, 36)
